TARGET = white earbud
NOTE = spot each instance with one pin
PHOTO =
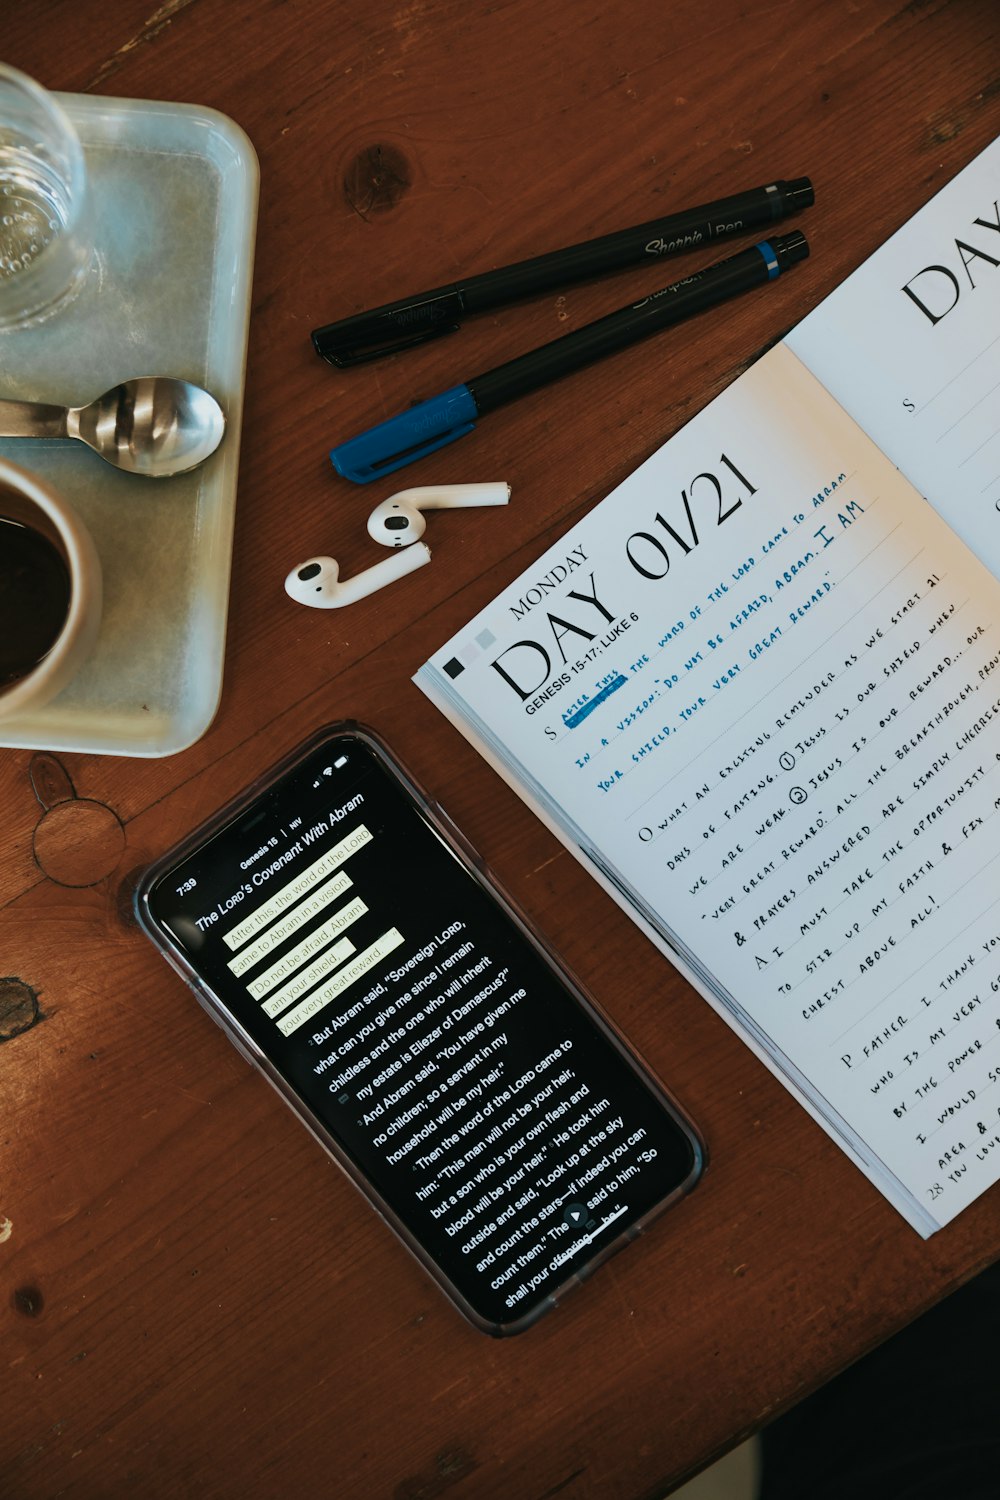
(398, 521)
(317, 581)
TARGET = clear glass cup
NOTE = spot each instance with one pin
(46, 217)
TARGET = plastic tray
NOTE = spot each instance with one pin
(169, 293)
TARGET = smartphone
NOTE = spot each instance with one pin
(355, 949)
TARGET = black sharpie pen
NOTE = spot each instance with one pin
(412, 320)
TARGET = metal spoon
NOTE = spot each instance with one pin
(154, 425)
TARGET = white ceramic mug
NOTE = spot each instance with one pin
(50, 592)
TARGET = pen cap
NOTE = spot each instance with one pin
(412, 434)
(389, 329)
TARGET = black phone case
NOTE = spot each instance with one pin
(216, 1007)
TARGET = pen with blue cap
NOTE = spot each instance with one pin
(432, 424)
(412, 320)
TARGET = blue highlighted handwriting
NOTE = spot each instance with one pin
(585, 705)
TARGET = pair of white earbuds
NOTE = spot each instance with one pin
(399, 523)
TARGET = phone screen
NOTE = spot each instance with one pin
(408, 1015)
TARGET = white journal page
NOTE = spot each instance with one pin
(759, 688)
(910, 346)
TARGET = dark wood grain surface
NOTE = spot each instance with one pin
(193, 1300)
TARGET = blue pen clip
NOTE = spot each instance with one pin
(399, 440)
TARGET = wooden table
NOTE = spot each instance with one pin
(194, 1300)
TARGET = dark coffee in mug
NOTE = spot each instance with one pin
(34, 595)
